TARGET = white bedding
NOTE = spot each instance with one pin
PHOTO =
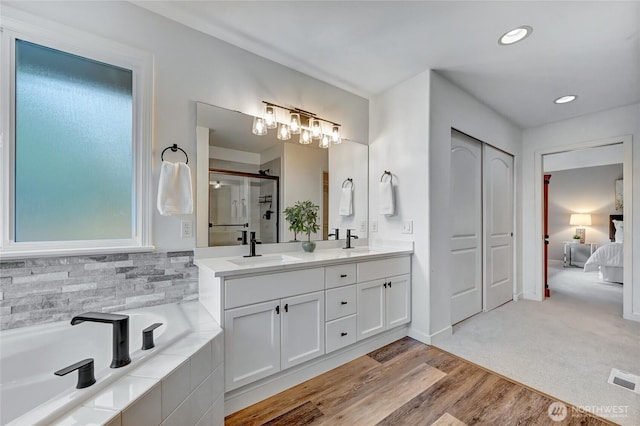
(607, 255)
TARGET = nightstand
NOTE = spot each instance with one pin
(576, 254)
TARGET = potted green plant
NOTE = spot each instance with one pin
(576, 238)
(303, 217)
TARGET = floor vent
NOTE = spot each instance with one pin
(625, 380)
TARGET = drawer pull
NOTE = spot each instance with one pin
(344, 333)
(389, 284)
(343, 275)
(278, 309)
(385, 285)
(286, 307)
(343, 303)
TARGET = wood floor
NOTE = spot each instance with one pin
(407, 383)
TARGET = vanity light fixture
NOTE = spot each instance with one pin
(270, 117)
(515, 35)
(284, 132)
(307, 124)
(216, 184)
(259, 126)
(566, 99)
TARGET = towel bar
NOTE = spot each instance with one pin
(174, 148)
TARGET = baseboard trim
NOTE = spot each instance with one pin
(517, 296)
(419, 336)
(440, 335)
(250, 394)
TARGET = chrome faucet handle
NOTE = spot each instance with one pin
(86, 376)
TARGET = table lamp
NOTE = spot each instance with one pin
(580, 219)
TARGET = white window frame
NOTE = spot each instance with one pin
(18, 25)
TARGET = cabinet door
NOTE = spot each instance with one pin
(252, 343)
(302, 328)
(398, 306)
(371, 312)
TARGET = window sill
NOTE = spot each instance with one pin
(24, 254)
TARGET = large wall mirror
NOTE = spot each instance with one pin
(244, 181)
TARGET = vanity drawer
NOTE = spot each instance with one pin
(340, 333)
(340, 302)
(260, 288)
(337, 276)
(369, 271)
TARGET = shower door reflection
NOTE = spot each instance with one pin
(242, 201)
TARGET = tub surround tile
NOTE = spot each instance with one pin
(146, 410)
(120, 395)
(159, 366)
(207, 419)
(73, 284)
(186, 346)
(175, 389)
(200, 400)
(85, 416)
(201, 365)
(180, 416)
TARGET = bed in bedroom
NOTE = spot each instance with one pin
(608, 259)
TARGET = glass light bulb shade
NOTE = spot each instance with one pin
(565, 99)
(294, 123)
(284, 134)
(259, 126)
(515, 35)
(305, 137)
(316, 129)
(335, 135)
(270, 117)
(324, 141)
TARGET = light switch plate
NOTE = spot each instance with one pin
(186, 229)
(407, 227)
(363, 226)
(374, 226)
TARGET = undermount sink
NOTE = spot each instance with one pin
(260, 260)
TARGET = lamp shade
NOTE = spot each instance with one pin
(580, 219)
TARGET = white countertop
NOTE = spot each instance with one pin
(283, 261)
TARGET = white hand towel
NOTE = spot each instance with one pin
(346, 202)
(174, 189)
(234, 209)
(385, 198)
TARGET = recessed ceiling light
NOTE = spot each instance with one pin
(565, 99)
(515, 35)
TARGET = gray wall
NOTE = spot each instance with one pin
(584, 190)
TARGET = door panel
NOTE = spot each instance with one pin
(466, 227)
(302, 328)
(370, 308)
(252, 343)
(397, 303)
(498, 227)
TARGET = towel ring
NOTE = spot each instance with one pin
(347, 181)
(386, 172)
(174, 148)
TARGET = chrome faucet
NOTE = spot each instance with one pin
(252, 245)
(349, 238)
(336, 234)
(120, 334)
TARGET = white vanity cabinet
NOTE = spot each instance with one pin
(263, 338)
(383, 294)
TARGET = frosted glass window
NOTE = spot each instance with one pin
(73, 147)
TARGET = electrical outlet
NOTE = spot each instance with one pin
(407, 227)
(363, 226)
(374, 226)
(186, 229)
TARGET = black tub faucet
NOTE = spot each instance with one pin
(120, 334)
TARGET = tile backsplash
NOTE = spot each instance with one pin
(40, 290)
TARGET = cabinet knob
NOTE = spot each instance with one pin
(344, 333)
(343, 303)
(385, 285)
(343, 275)
(389, 284)
(278, 309)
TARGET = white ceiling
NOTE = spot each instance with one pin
(591, 49)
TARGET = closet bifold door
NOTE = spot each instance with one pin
(466, 226)
(498, 227)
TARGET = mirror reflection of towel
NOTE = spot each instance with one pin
(385, 198)
(346, 202)
(174, 189)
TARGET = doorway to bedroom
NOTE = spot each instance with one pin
(583, 210)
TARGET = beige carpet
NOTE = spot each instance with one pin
(564, 346)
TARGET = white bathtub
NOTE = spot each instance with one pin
(29, 391)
